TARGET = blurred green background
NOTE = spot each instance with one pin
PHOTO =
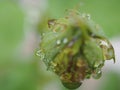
(18, 72)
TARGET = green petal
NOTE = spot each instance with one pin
(93, 54)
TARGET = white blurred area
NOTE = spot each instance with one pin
(34, 9)
(110, 66)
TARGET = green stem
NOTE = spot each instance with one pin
(85, 35)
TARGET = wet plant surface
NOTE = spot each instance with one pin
(75, 48)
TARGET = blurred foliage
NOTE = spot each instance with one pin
(111, 82)
(11, 27)
(104, 12)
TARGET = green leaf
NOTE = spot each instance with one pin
(93, 54)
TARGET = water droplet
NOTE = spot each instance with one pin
(65, 40)
(98, 63)
(58, 42)
(71, 85)
(51, 23)
(52, 66)
(40, 54)
(88, 16)
(103, 43)
(97, 74)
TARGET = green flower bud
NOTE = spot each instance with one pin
(75, 48)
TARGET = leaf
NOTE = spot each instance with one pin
(93, 54)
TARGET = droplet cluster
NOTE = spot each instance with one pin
(75, 48)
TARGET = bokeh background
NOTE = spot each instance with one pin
(21, 69)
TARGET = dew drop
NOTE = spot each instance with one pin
(71, 85)
(51, 22)
(88, 16)
(53, 64)
(98, 63)
(65, 40)
(58, 42)
(103, 43)
(97, 74)
(40, 54)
